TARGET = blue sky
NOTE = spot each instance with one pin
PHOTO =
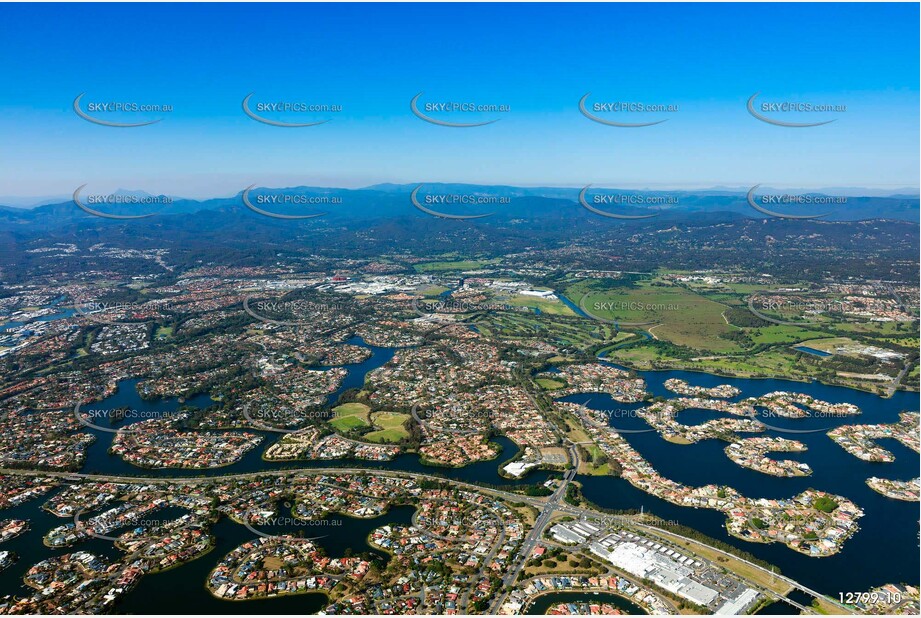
(537, 59)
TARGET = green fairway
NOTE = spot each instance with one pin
(556, 329)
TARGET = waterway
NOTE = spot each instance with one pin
(575, 308)
(187, 582)
(67, 312)
(886, 546)
(546, 601)
(884, 550)
(182, 590)
(778, 608)
(99, 461)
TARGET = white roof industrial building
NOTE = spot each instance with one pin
(664, 571)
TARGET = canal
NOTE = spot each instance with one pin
(886, 546)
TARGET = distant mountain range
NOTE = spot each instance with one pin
(512, 191)
(898, 192)
(504, 203)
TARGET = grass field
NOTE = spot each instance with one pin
(164, 332)
(548, 384)
(828, 344)
(428, 267)
(349, 416)
(782, 334)
(392, 427)
(590, 467)
(433, 291)
(528, 513)
(550, 306)
(683, 317)
(798, 314)
(577, 434)
(639, 355)
(746, 289)
(619, 338)
(696, 315)
(574, 431)
(878, 329)
(778, 362)
(562, 566)
(273, 562)
(906, 342)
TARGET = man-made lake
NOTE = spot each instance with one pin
(813, 351)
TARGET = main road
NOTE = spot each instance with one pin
(550, 507)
